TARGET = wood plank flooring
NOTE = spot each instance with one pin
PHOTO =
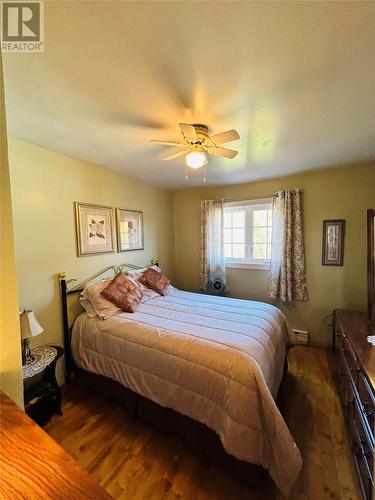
(133, 461)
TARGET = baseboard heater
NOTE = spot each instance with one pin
(302, 336)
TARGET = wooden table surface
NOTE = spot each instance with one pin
(34, 466)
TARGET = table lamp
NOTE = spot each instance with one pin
(30, 327)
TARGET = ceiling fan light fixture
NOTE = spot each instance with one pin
(195, 159)
(197, 144)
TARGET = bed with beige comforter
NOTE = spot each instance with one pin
(217, 360)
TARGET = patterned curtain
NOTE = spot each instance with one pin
(212, 239)
(288, 276)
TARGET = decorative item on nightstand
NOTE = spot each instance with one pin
(30, 327)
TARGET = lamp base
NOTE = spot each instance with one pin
(27, 357)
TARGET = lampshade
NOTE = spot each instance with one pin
(30, 327)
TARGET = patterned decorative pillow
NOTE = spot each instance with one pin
(155, 280)
(124, 292)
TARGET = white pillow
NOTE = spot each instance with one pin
(91, 313)
(103, 307)
(136, 273)
(147, 292)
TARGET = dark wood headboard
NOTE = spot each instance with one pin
(67, 291)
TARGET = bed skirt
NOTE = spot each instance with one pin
(193, 434)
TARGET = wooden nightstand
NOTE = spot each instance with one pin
(42, 395)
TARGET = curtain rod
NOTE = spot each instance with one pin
(244, 198)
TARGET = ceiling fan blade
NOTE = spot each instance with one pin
(177, 155)
(227, 153)
(170, 143)
(188, 130)
(228, 136)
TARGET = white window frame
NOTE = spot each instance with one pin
(249, 263)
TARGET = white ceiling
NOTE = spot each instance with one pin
(296, 79)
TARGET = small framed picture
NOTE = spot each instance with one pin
(94, 227)
(129, 230)
(333, 242)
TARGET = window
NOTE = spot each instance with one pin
(248, 233)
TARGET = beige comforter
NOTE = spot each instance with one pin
(218, 360)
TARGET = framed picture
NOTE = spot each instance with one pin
(94, 226)
(129, 229)
(333, 242)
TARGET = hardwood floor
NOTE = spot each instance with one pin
(133, 461)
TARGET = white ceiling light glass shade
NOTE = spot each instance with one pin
(195, 159)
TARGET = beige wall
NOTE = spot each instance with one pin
(10, 344)
(335, 193)
(45, 185)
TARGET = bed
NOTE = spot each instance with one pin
(215, 360)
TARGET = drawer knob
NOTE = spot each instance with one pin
(368, 411)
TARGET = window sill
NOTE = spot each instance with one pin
(248, 265)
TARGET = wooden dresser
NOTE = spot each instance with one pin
(35, 467)
(355, 374)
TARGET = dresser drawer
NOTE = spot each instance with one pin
(367, 399)
(351, 361)
(364, 437)
(350, 413)
(344, 381)
(363, 450)
(347, 363)
(342, 344)
(339, 340)
(365, 480)
(354, 372)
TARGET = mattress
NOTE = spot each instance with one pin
(215, 359)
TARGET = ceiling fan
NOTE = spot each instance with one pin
(197, 143)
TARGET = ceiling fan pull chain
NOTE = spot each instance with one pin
(204, 174)
(186, 172)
